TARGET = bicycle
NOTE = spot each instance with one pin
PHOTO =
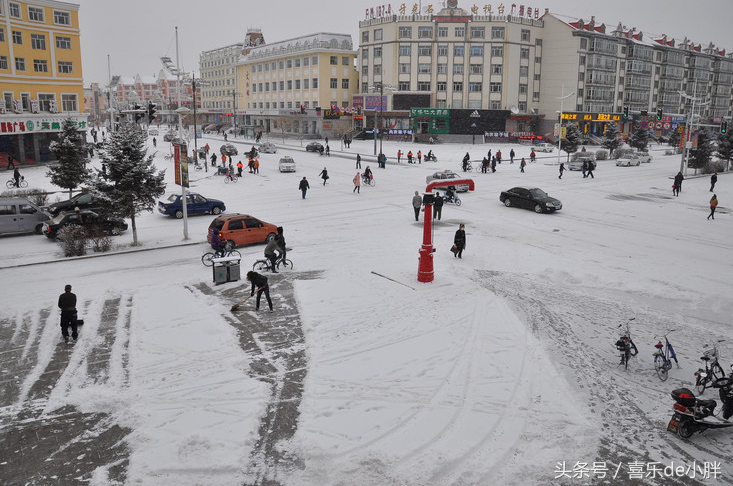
(198, 167)
(468, 167)
(712, 372)
(367, 181)
(22, 183)
(168, 156)
(626, 345)
(230, 177)
(207, 258)
(663, 359)
(264, 264)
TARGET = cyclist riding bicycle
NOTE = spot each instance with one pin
(217, 243)
(367, 174)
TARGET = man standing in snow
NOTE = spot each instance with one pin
(304, 186)
(416, 205)
(358, 161)
(259, 281)
(677, 186)
(437, 206)
(713, 180)
(67, 304)
(511, 156)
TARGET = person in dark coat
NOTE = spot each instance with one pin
(304, 186)
(591, 166)
(213, 160)
(584, 168)
(562, 169)
(466, 158)
(11, 164)
(358, 161)
(459, 241)
(67, 304)
(493, 163)
(16, 176)
(416, 205)
(713, 180)
(259, 281)
(324, 175)
(677, 186)
(437, 206)
(280, 238)
(511, 156)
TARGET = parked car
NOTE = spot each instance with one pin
(314, 147)
(88, 219)
(447, 174)
(242, 229)
(577, 164)
(83, 200)
(532, 198)
(153, 132)
(169, 136)
(542, 147)
(19, 215)
(627, 160)
(228, 149)
(286, 164)
(268, 148)
(195, 204)
(645, 157)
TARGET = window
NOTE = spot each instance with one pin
(524, 53)
(297, 84)
(458, 51)
(404, 68)
(63, 42)
(38, 41)
(3, 62)
(475, 87)
(459, 32)
(425, 50)
(66, 67)
(281, 86)
(333, 60)
(525, 35)
(495, 87)
(365, 53)
(405, 32)
(297, 62)
(314, 60)
(524, 71)
(365, 71)
(377, 69)
(289, 63)
(403, 86)
(45, 101)
(477, 50)
(377, 34)
(423, 86)
(477, 33)
(424, 32)
(423, 68)
(61, 18)
(17, 37)
(584, 43)
(290, 85)
(405, 50)
(314, 83)
(14, 10)
(441, 86)
(536, 96)
(306, 61)
(68, 102)
(364, 87)
(345, 61)
(306, 82)
(523, 89)
(442, 69)
(458, 86)
(365, 36)
(377, 52)
(497, 68)
(345, 84)
(476, 69)
(497, 32)
(19, 64)
(35, 14)
(458, 69)
(442, 31)
(497, 51)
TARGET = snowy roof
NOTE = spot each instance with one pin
(321, 40)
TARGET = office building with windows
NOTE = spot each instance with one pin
(40, 76)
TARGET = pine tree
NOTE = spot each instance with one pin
(674, 139)
(639, 138)
(572, 139)
(131, 185)
(725, 147)
(701, 155)
(71, 169)
(611, 139)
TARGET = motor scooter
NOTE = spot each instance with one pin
(692, 414)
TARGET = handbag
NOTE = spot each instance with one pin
(454, 248)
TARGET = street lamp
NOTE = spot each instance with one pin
(183, 111)
(559, 125)
(688, 126)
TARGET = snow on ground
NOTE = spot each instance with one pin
(495, 373)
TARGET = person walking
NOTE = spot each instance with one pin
(358, 161)
(416, 205)
(240, 166)
(677, 185)
(399, 155)
(409, 157)
(498, 156)
(713, 180)
(304, 186)
(16, 176)
(437, 206)
(484, 165)
(532, 156)
(271, 250)
(11, 164)
(155, 142)
(328, 150)
(464, 163)
(357, 183)
(256, 165)
(713, 205)
(459, 241)
(591, 166)
(67, 304)
(511, 156)
(562, 169)
(324, 175)
(584, 169)
(521, 165)
(419, 157)
(259, 281)
(493, 164)
(213, 160)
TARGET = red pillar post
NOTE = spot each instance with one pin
(425, 268)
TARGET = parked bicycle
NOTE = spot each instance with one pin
(626, 345)
(22, 183)
(663, 357)
(264, 264)
(208, 257)
(712, 372)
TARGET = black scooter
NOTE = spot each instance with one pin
(695, 415)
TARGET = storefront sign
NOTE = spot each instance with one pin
(378, 103)
(37, 124)
(524, 11)
(429, 112)
(591, 117)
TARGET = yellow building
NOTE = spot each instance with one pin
(40, 76)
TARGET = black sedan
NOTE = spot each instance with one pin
(84, 200)
(86, 218)
(228, 149)
(532, 198)
(314, 147)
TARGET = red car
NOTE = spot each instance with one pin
(242, 229)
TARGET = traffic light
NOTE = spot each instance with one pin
(302, 109)
(723, 126)
(151, 112)
(626, 111)
(358, 110)
(138, 116)
(659, 114)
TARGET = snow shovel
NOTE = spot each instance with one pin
(236, 306)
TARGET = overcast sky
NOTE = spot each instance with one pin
(136, 33)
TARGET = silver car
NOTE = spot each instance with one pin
(444, 175)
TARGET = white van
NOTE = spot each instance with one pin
(543, 147)
(19, 215)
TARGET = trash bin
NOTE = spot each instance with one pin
(226, 269)
(221, 171)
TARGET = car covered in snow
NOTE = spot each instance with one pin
(445, 175)
(286, 164)
(628, 160)
(228, 149)
(314, 147)
(268, 148)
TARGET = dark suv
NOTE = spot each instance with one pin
(84, 200)
(87, 219)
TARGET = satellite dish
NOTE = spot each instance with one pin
(515, 110)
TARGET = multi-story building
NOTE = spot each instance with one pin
(40, 75)
(219, 82)
(95, 104)
(283, 85)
